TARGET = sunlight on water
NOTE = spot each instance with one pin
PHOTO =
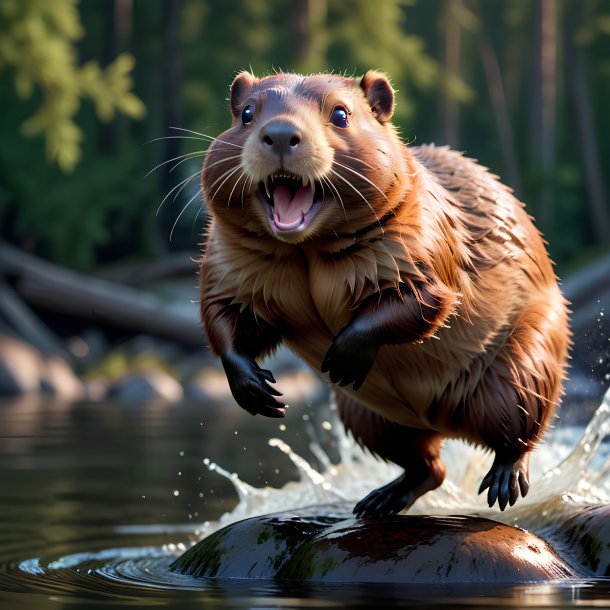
(570, 469)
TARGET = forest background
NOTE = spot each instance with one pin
(96, 94)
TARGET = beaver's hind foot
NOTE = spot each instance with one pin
(402, 492)
(505, 479)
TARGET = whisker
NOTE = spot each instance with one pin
(227, 171)
(223, 160)
(171, 233)
(200, 213)
(236, 183)
(197, 133)
(173, 167)
(347, 167)
(336, 173)
(205, 139)
(338, 152)
(229, 174)
(333, 188)
(185, 157)
(243, 188)
(179, 186)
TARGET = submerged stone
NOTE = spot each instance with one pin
(400, 549)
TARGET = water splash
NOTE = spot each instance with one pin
(569, 470)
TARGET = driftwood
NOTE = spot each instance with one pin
(50, 287)
(25, 324)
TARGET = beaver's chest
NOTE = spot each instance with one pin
(311, 300)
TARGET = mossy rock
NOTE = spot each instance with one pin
(400, 549)
(254, 548)
(586, 536)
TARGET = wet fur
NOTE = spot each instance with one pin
(422, 288)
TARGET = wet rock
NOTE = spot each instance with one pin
(209, 384)
(586, 535)
(21, 367)
(401, 549)
(146, 386)
(59, 379)
(254, 548)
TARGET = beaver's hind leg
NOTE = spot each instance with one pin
(515, 399)
(417, 451)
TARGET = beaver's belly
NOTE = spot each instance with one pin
(402, 385)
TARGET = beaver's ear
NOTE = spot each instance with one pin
(379, 94)
(240, 88)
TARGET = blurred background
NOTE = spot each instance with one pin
(100, 207)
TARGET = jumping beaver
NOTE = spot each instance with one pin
(409, 275)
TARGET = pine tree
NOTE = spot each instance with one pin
(38, 45)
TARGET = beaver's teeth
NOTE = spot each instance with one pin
(305, 180)
(267, 189)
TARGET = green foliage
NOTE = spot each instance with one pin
(107, 203)
(367, 35)
(38, 46)
(106, 207)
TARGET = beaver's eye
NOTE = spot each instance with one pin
(247, 114)
(339, 117)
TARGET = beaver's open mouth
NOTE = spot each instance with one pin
(292, 201)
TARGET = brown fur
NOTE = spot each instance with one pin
(419, 264)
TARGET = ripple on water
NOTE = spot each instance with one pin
(571, 473)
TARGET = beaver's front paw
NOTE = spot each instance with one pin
(249, 385)
(350, 358)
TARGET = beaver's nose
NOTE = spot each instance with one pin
(282, 137)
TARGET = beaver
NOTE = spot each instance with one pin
(408, 276)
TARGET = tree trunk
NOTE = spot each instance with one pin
(450, 119)
(172, 112)
(544, 102)
(495, 87)
(586, 135)
(308, 28)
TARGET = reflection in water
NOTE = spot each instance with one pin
(97, 501)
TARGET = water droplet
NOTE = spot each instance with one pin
(143, 497)
(176, 492)
(182, 454)
(282, 427)
(327, 425)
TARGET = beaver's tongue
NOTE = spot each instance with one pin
(289, 210)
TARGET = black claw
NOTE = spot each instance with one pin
(250, 387)
(524, 484)
(267, 375)
(504, 480)
(503, 495)
(485, 483)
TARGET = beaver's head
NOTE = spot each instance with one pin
(306, 156)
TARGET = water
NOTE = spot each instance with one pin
(97, 499)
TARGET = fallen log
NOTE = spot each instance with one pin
(53, 288)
